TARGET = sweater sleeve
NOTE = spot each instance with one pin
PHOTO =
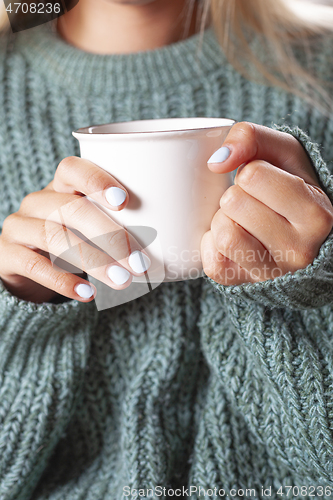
(43, 355)
(269, 347)
(306, 288)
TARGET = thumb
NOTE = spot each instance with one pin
(240, 146)
(247, 142)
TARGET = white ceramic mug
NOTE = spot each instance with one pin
(173, 195)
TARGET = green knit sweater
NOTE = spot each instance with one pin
(194, 387)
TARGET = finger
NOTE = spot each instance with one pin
(25, 262)
(248, 141)
(61, 242)
(218, 267)
(76, 175)
(273, 231)
(232, 241)
(79, 214)
(286, 194)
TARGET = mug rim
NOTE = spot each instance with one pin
(88, 131)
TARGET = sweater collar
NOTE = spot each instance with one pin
(184, 61)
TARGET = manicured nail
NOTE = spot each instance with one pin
(118, 275)
(84, 291)
(220, 155)
(139, 262)
(115, 196)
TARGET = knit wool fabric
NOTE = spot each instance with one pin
(194, 387)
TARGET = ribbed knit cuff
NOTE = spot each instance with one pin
(306, 288)
(43, 355)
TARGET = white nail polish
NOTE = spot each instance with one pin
(138, 261)
(118, 275)
(115, 196)
(220, 155)
(84, 291)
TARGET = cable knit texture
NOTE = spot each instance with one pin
(194, 384)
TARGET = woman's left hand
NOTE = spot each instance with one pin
(275, 217)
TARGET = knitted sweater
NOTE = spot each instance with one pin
(194, 388)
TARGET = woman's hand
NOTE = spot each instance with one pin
(276, 216)
(43, 224)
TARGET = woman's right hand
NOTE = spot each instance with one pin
(43, 224)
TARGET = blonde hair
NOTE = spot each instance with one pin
(282, 28)
(279, 26)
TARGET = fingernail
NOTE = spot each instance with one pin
(138, 261)
(118, 275)
(220, 155)
(115, 196)
(84, 291)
